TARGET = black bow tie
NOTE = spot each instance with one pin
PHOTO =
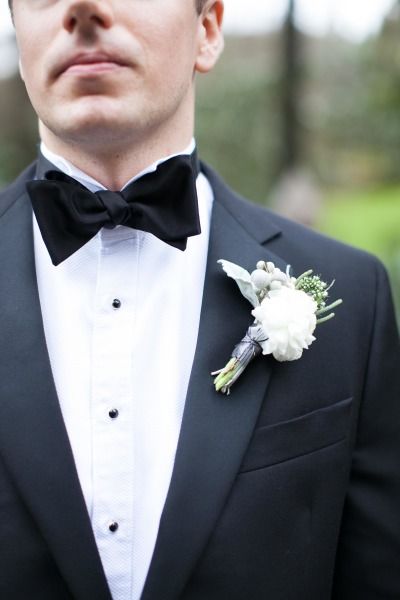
(163, 203)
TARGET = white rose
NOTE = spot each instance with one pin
(288, 319)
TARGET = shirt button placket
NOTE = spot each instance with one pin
(112, 402)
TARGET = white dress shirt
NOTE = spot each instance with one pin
(121, 320)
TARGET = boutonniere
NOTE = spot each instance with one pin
(286, 311)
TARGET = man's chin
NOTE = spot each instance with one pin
(90, 123)
(96, 135)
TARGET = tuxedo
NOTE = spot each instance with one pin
(289, 489)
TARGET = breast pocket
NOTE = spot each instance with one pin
(286, 440)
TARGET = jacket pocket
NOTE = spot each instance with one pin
(283, 441)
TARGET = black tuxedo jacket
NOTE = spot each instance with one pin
(289, 489)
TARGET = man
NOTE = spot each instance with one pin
(123, 473)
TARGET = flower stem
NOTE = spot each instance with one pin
(224, 374)
(325, 319)
(325, 309)
(243, 353)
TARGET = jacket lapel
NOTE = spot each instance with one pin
(216, 429)
(33, 439)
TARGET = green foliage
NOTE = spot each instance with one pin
(237, 116)
(355, 135)
(18, 129)
(371, 221)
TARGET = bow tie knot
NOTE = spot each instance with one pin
(162, 202)
(117, 208)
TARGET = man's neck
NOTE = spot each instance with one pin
(113, 169)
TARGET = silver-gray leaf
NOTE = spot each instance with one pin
(243, 280)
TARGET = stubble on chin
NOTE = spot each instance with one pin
(89, 123)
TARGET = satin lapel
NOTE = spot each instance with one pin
(216, 429)
(33, 439)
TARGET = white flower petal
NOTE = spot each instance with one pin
(288, 318)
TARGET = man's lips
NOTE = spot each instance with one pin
(92, 68)
(91, 64)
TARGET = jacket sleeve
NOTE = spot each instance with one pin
(368, 556)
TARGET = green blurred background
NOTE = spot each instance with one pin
(307, 125)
